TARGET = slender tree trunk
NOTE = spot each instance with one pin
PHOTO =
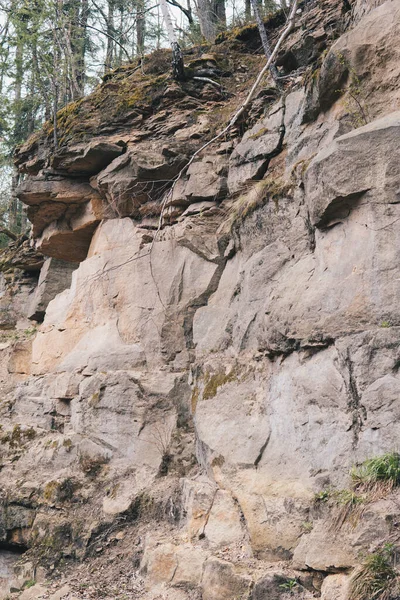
(248, 10)
(207, 20)
(81, 45)
(264, 39)
(219, 11)
(111, 33)
(140, 28)
(177, 58)
(19, 69)
(122, 39)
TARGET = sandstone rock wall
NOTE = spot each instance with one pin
(199, 392)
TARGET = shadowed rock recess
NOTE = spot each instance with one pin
(181, 409)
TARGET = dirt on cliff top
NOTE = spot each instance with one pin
(132, 93)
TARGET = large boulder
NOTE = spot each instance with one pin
(361, 163)
(364, 62)
(55, 277)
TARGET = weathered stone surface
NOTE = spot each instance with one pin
(251, 156)
(335, 587)
(52, 199)
(194, 388)
(180, 274)
(204, 180)
(38, 190)
(324, 553)
(181, 566)
(55, 277)
(34, 592)
(363, 161)
(221, 582)
(21, 255)
(224, 524)
(353, 62)
(87, 159)
(138, 177)
(21, 358)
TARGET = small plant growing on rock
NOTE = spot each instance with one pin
(377, 577)
(351, 508)
(307, 526)
(289, 585)
(322, 496)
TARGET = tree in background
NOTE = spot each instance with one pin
(55, 51)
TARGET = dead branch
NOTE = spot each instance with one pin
(236, 116)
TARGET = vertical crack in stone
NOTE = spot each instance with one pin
(355, 407)
(262, 450)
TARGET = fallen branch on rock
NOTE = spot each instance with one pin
(236, 116)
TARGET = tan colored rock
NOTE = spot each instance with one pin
(354, 60)
(136, 177)
(33, 593)
(223, 524)
(61, 593)
(323, 552)
(21, 358)
(189, 571)
(222, 582)
(335, 587)
(251, 155)
(370, 154)
(96, 341)
(87, 159)
(204, 180)
(120, 498)
(52, 199)
(160, 563)
(60, 241)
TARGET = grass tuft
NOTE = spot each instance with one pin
(377, 577)
(373, 480)
(379, 474)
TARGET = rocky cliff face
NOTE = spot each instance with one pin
(179, 424)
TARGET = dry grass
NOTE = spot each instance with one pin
(377, 475)
(373, 480)
(377, 578)
(351, 507)
(255, 195)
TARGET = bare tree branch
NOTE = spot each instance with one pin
(289, 26)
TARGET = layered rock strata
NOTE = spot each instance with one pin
(198, 391)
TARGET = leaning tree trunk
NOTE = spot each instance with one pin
(264, 40)
(177, 58)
